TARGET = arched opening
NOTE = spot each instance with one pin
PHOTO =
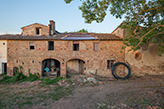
(137, 56)
(50, 67)
(75, 66)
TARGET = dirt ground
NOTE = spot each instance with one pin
(145, 92)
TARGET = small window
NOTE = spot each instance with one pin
(75, 46)
(50, 45)
(96, 46)
(31, 45)
(3, 43)
(110, 63)
(37, 31)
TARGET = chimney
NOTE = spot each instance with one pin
(51, 28)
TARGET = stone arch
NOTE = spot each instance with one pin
(75, 66)
(50, 67)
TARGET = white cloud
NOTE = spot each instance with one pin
(9, 32)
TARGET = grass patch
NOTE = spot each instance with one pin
(24, 100)
(59, 92)
(49, 81)
(29, 103)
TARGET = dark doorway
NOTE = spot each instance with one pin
(4, 68)
(50, 67)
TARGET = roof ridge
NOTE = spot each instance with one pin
(33, 24)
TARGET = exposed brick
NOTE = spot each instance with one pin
(94, 60)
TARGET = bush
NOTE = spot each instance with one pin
(19, 77)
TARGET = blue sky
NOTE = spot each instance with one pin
(15, 14)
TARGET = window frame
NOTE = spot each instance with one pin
(50, 45)
(31, 44)
(37, 30)
(94, 46)
(76, 46)
(110, 63)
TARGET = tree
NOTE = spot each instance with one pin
(143, 19)
(83, 31)
(80, 31)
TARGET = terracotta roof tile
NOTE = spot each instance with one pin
(62, 36)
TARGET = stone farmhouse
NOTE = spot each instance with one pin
(40, 48)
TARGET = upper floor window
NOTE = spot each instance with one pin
(96, 46)
(31, 45)
(110, 63)
(75, 46)
(50, 45)
(37, 31)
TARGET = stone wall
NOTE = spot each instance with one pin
(119, 32)
(145, 61)
(31, 30)
(95, 61)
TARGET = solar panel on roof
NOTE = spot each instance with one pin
(79, 37)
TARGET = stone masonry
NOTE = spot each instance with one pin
(18, 53)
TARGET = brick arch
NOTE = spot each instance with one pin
(49, 58)
(41, 62)
(86, 63)
(76, 58)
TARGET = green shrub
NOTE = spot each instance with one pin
(19, 77)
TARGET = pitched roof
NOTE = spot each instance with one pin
(34, 24)
(117, 27)
(63, 36)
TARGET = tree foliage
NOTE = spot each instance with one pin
(143, 19)
(83, 31)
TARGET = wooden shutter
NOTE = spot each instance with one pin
(96, 46)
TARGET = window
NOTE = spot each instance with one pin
(50, 45)
(110, 63)
(37, 31)
(4, 68)
(31, 45)
(96, 46)
(3, 43)
(75, 46)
